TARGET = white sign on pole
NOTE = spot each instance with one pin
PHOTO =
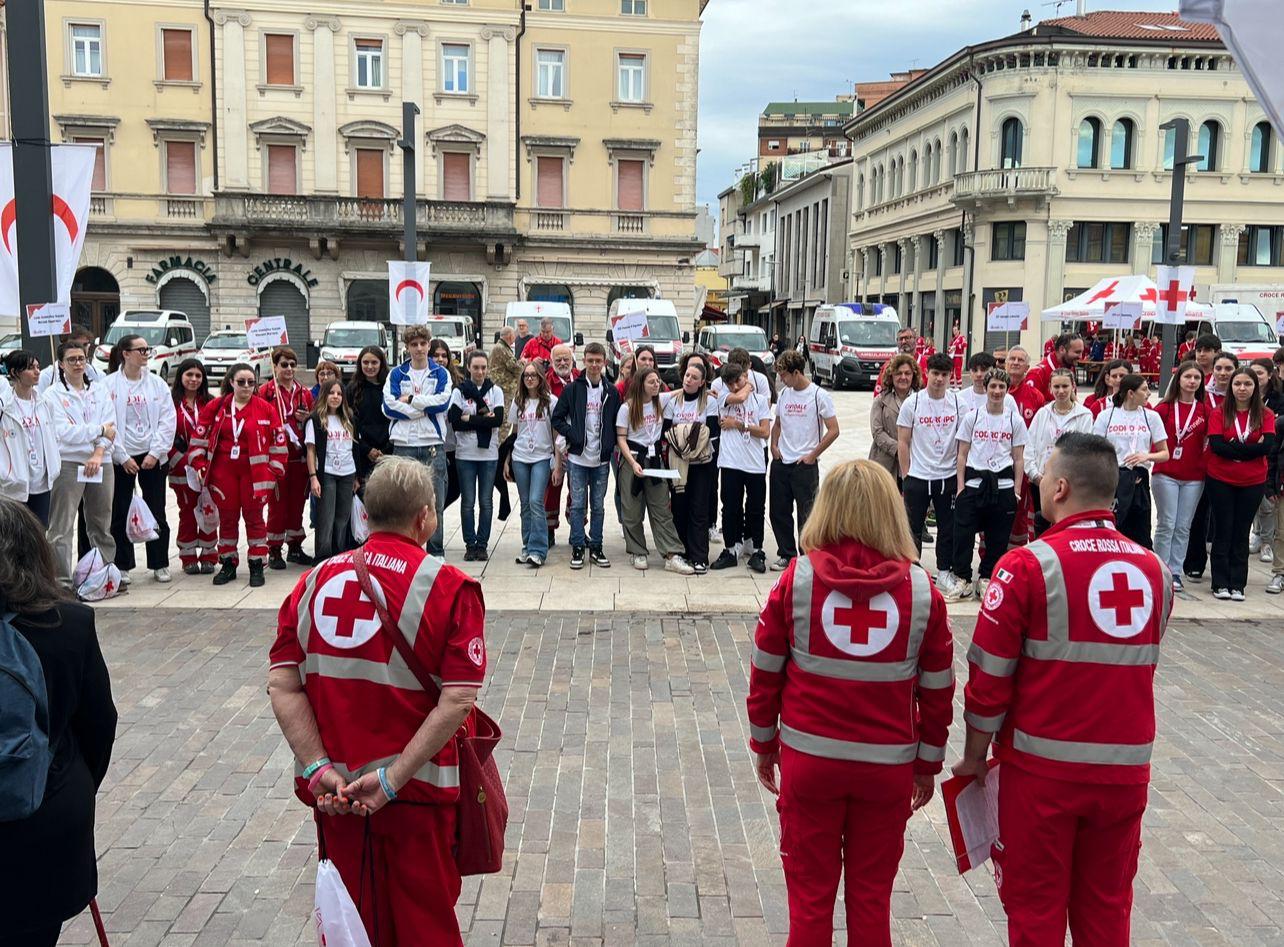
(1008, 317)
(266, 332)
(1279, 323)
(73, 175)
(408, 301)
(1174, 289)
(49, 319)
(629, 328)
(1122, 316)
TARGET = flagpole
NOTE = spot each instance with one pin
(409, 204)
(1172, 251)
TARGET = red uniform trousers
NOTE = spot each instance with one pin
(232, 488)
(553, 500)
(285, 509)
(403, 875)
(1024, 518)
(956, 374)
(839, 817)
(193, 544)
(1071, 849)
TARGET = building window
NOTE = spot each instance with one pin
(632, 77)
(176, 55)
(1170, 148)
(773, 145)
(630, 190)
(1259, 155)
(550, 73)
(1196, 246)
(1260, 246)
(1089, 143)
(369, 58)
(99, 182)
(1010, 147)
(897, 260)
(180, 167)
(958, 246)
(279, 58)
(454, 67)
(860, 192)
(933, 254)
(633, 7)
(550, 182)
(552, 6)
(1121, 144)
(1210, 139)
(913, 171)
(1009, 241)
(282, 169)
(456, 176)
(954, 153)
(963, 151)
(1098, 243)
(86, 49)
(936, 162)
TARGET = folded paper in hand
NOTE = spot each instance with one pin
(972, 811)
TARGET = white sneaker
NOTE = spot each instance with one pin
(715, 536)
(679, 565)
(1236, 595)
(640, 563)
(960, 592)
(125, 580)
(1268, 554)
(163, 576)
(1254, 544)
(1223, 594)
(945, 580)
(1277, 585)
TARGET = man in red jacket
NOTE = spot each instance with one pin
(1061, 677)
(542, 345)
(1066, 352)
(1029, 397)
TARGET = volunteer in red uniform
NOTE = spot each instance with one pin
(850, 694)
(1029, 395)
(196, 547)
(1049, 346)
(541, 346)
(1061, 677)
(363, 730)
(1186, 350)
(293, 404)
(958, 353)
(1066, 352)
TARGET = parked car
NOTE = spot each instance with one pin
(10, 342)
(717, 340)
(849, 343)
(1243, 330)
(225, 348)
(167, 331)
(458, 331)
(534, 312)
(663, 334)
(344, 341)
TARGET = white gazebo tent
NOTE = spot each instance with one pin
(1090, 306)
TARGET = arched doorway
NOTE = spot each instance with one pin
(282, 297)
(458, 299)
(551, 293)
(95, 299)
(187, 296)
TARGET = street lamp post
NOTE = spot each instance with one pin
(1172, 249)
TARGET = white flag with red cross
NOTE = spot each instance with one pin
(1174, 289)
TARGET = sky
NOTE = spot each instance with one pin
(757, 51)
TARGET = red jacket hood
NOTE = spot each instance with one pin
(857, 571)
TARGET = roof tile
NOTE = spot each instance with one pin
(1136, 24)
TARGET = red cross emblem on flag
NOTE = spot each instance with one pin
(860, 628)
(1120, 599)
(1175, 288)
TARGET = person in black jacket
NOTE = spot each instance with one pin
(365, 397)
(51, 871)
(584, 415)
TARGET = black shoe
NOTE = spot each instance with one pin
(274, 559)
(577, 557)
(469, 554)
(207, 568)
(192, 568)
(480, 554)
(1194, 576)
(552, 537)
(599, 558)
(726, 560)
(927, 538)
(256, 574)
(758, 562)
(226, 574)
(299, 557)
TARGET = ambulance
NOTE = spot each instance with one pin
(663, 334)
(534, 312)
(849, 343)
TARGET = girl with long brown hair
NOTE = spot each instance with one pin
(534, 457)
(330, 437)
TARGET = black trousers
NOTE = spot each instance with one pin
(790, 485)
(152, 485)
(691, 511)
(1201, 533)
(992, 517)
(938, 494)
(1233, 509)
(1041, 525)
(713, 490)
(1132, 505)
(744, 507)
(38, 504)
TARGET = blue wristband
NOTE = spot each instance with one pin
(382, 773)
(307, 773)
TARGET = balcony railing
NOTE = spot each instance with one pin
(182, 208)
(630, 223)
(972, 187)
(748, 240)
(359, 213)
(753, 284)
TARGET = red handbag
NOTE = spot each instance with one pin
(481, 816)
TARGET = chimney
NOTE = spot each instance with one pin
(1081, 8)
(1025, 20)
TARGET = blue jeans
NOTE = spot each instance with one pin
(532, 481)
(588, 489)
(476, 486)
(1175, 502)
(433, 456)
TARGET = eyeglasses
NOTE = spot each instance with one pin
(531, 375)
(244, 382)
(75, 360)
(287, 365)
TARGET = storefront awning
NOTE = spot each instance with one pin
(713, 314)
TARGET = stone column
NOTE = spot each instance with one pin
(233, 127)
(1228, 251)
(902, 296)
(882, 270)
(1143, 240)
(499, 167)
(920, 245)
(966, 309)
(864, 273)
(943, 330)
(325, 125)
(412, 90)
(1054, 280)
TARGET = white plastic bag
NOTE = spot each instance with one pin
(359, 523)
(94, 579)
(140, 527)
(206, 512)
(338, 923)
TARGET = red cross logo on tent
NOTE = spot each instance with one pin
(860, 629)
(1120, 599)
(1105, 293)
(342, 613)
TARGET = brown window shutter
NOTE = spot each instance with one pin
(180, 167)
(456, 169)
(369, 173)
(280, 58)
(99, 182)
(630, 184)
(178, 54)
(282, 170)
(548, 190)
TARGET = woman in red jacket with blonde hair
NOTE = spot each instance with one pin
(852, 637)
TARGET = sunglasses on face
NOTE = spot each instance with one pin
(244, 383)
(145, 350)
(288, 365)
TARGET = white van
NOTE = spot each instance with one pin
(168, 333)
(458, 331)
(533, 312)
(1243, 329)
(849, 343)
(344, 341)
(663, 334)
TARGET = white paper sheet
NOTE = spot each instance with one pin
(978, 809)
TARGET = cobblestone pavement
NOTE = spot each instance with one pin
(635, 814)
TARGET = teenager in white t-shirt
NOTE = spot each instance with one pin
(689, 406)
(745, 422)
(806, 424)
(476, 413)
(975, 395)
(927, 450)
(332, 470)
(1140, 441)
(988, 473)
